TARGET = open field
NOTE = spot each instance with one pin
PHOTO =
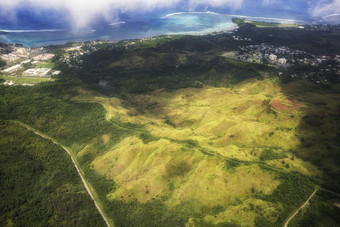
(205, 145)
(263, 24)
(273, 25)
(25, 80)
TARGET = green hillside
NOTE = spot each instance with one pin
(177, 136)
(39, 186)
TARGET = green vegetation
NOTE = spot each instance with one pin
(269, 154)
(262, 24)
(2, 63)
(21, 80)
(322, 210)
(294, 189)
(39, 185)
(47, 64)
(238, 21)
(274, 25)
(27, 80)
(181, 136)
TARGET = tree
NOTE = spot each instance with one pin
(2, 63)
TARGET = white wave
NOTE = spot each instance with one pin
(280, 20)
(179, 13)
(117, 23)
(172, 14)
(222, 27)
(40, 30)
(331, 15)
(211, 12)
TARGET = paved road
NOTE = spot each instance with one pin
(74, 163)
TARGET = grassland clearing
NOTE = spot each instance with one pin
(192, 133)
(25, 80)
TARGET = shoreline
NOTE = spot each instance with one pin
(225, 27)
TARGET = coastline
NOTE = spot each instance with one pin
(122, 30)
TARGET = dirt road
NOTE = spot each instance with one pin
(306, 203)
(74, 163)
(300, 208)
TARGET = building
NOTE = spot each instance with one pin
(2, 50)
(272, 57)
(55, 73)
(21, 51)
(9, 83)
(43, 57)
(73, 48)
(9, 57)
(41, 72)
(282, 61)
(12, 69)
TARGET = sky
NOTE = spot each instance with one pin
(81, 13)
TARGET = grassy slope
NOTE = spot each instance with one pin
(202, 152)
(193, 135)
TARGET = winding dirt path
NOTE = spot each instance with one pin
(74, 163)
(306, 203)
(300, 208)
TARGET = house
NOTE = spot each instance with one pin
(12, 69)
(41, 72)
(2, 50)
(272, 57)
(43, 57)
(56, 73)
(282, 61)
(21, 51)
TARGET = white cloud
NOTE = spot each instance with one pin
(325, 7)
(81, 12)
(217, 3)
(268, 2)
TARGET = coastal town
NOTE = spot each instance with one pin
(318, 69)
(26, 66)
(29, 66)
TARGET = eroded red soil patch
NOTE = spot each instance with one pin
(284, 105)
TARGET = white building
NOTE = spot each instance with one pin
(272, 57)
(9, 57)
(12, 69)
(282, 61)
(41, 72)
(43, 57)
(55, 73)
(10, 83)
(21, 51)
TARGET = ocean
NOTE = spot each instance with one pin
(34, 33)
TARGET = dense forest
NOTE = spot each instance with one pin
(39, 185)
